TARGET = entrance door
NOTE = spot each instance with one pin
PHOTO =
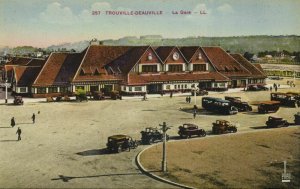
(204, 85)
(154, 88)
(234, 83)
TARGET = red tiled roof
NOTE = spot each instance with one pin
(59, 69)
(139, 79)
(97, 57)
(188, 52)
(249, 66)
(25, 75)
(36, 62)
(125, 62)
(224, 63)
(258, 66)
(164, 51)
(21, 61)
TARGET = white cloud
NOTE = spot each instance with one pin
(225, 8)
(55, 13)
(103, 6)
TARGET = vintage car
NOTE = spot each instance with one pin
(287, 99)
(222, 127)
(18, 100)
(119, 143)
(199, 93)
(236, 102)
(115, 95)
(187, 130)
(297, 118)
(276, 122)
(256, 87)
(218, 105)
(98, 95)
(151, 135)
(268, 106)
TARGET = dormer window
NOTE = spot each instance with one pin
(82, 72)
(149, 56)
(199, 56)
(96, 72)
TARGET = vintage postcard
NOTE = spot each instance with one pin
(149, 94)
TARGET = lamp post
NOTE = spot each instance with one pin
(164, 158)
(195, 94)
(6, 84)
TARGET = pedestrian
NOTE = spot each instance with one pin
(12, 122)
(19, 131)
(275, 88)
(271, 88)
(171, 94)
(274, 85)
(195, 113)
(278, 85)
(187, 99)
(39, 112)
(190, 99)
(33, 118)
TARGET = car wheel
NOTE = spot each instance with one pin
(203, 134)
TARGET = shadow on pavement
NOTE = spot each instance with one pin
(259, 127)
(8, 140)
(67, 178)
(93, 152)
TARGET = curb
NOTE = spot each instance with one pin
(146, 172)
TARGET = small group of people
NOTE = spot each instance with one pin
(19, 131)
(291, 83)
(275, 86)
(188, 99)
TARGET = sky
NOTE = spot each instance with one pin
(42, 23)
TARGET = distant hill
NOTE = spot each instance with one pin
(236, 44)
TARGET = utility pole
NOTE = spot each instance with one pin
(164, 158)
(6, 84)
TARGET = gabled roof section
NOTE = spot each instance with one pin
(96, 57)
(36, 62)
(248, 65)
(59, 69)
(126, 62)
(25, 75)
(225, 63)
(164, 52)
(188, 52)
(21, 61)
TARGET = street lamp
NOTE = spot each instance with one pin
(6, 84)
(164, 158)
(195, 89)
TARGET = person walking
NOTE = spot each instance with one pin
(271, 88)
(187, 99)
(190, 99)
(171, 94)
(19, 131)
(33, 118)
(195, 113)
(275, 88)
(12, 122)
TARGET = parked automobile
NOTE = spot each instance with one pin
(188, 130)
(18, 100)
(199, 93)
(115, 95)
(256, 87)
(218, 105)
(276, 122)
(119, 143)
(268, 106)
(98, 95)
(151, 135)
(287, 99)
(236, 102)
(223, 126)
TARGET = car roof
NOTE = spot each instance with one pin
(117, 137)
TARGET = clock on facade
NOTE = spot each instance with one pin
(149, 56)
(175, 56)
(199, 56)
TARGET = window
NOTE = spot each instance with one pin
(149, 68)
(41, 90)
(175, 68)
(138, 88)
(168, 87)
(79, 88)
(130, 88)
(185, 86)
(94, 88)
(52, 90)
(63, 89)
(23, 89)
(199, 67)
(175, 86)
(178, 86)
